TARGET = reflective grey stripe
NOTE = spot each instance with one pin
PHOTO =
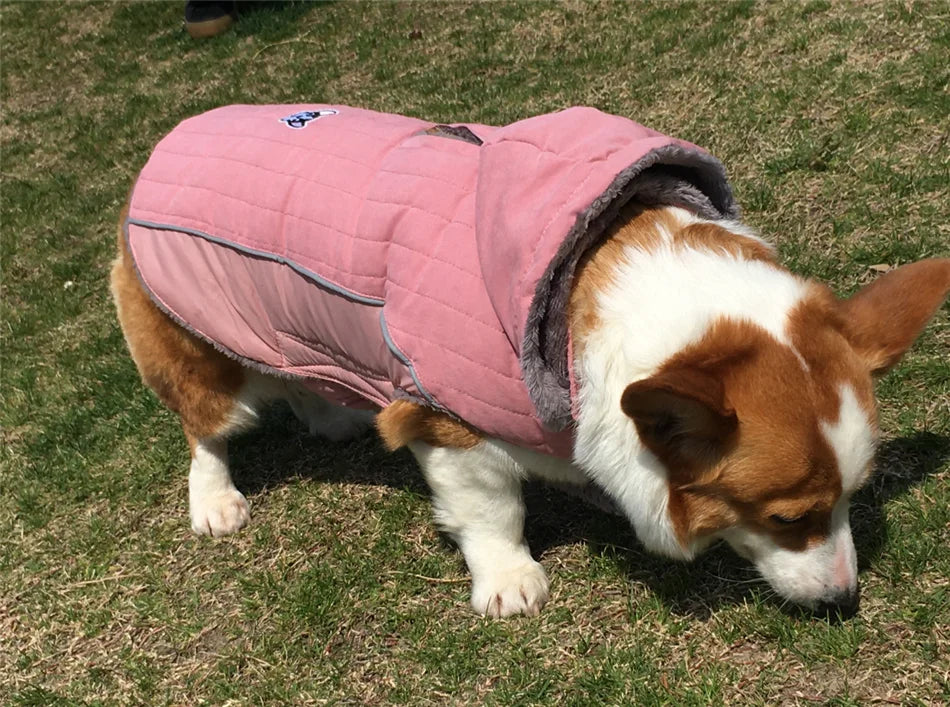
(391, 345)
(362, 299)
(404, 360)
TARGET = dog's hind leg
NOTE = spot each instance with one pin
(216, 507)
(213, 395)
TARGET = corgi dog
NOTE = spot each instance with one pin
(716, 396)
(720, 397)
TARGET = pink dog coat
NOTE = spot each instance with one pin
(376, 256)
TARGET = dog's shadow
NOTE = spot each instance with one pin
(280, 449)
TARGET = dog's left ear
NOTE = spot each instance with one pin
(883, 319)
(682, 416)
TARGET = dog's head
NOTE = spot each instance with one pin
(765, 441)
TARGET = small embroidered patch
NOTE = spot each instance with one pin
(300, 119)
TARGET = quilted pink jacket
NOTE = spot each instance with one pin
(376, 256)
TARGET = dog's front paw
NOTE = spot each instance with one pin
(221, 513)
(518, 590)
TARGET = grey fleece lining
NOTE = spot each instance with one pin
(670, 176)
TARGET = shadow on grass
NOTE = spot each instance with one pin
(280, 449)
(267, 12)
(901, 464)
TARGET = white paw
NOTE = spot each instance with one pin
(221, 513)
(519, 590)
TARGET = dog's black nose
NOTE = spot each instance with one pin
(841, 605)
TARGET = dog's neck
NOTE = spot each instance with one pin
(655, 285)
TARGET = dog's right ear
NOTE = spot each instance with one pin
(682, 416)
(883, 319)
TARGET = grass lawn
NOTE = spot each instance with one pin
(833, 122)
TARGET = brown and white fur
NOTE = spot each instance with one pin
(719, 396)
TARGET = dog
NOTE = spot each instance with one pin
(570, 298)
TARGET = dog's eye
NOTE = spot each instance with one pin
(785, 520)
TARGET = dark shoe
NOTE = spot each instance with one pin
(208, 18)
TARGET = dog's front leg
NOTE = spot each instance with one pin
(477, 500)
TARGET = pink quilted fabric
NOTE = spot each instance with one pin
(372, 255)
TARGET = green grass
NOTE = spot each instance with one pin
(832, 122)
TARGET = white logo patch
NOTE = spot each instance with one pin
(302, 118)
